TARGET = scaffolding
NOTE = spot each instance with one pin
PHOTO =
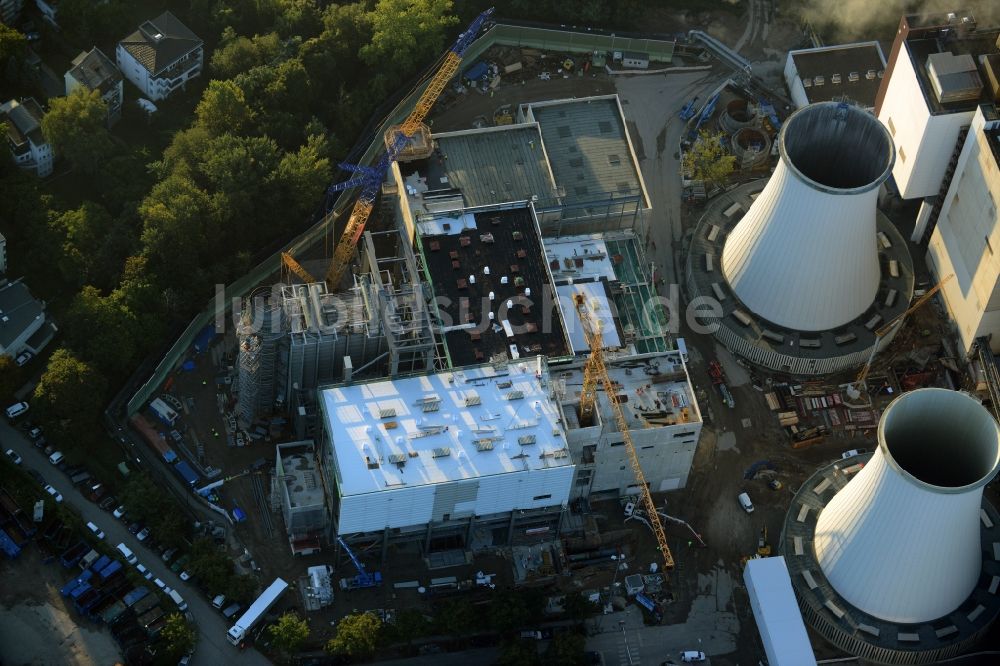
(262, 387)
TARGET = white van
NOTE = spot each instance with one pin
(745, 502)
(219, 601)
(179, 600)
(127, 554)
(56, 458)
(683, 349)
(16, 410)
(98, 532)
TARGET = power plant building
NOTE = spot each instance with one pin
(893, 555)
(804, 267)
(845, 72)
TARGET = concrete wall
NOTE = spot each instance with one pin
(924, 142)
(966, 240)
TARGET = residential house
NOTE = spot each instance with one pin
(94, 71)
(23, 324)
(161, 56)
(24, 135)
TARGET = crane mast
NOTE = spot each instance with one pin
(370, 178)
(596, 370)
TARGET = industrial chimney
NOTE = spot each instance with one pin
(901, 541)
(804, 256)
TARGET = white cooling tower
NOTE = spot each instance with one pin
(804, 256)
(901, 541)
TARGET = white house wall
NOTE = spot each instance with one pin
(406, 507)
(924, 143)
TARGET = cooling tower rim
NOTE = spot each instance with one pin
(812, 108)
(919, 483)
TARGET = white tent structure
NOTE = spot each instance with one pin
(804, 256)
(901, 541)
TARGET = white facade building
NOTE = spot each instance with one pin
(161, 56)
(447, 447)
(967, 230)
(23, 324)
(27, 144)
(92, 70)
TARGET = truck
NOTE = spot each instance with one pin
(149, 617)
(238, 632)
(113, 612)
(110, 570)
(164, 412)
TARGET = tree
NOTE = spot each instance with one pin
(578, 607)
(223, 108)
(356, 636)
(10, 378)
(300, 180)
(177, 638)
(13, 48)
(566, 649)
(241, 54)
(708, 160)
(69, 397)
(93, 244)
(117, 345)
(407, 33)
(410, 624)
(519, 652)
(456, 618)
(76, 126)
(508, 611)
(289, 632)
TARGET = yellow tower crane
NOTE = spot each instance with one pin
(596, 371)
(396, 140)
(898, 321)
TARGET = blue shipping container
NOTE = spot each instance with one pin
(185, 472)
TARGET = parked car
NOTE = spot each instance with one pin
(56, 495)
(16, 410)
(12, 454)
(56, 457)
(108, 503)
(853, 452)
(34, 432)
(774, 484)
(180, 563)
(692, 655)
(168, 554)
(119, 512)
(745, 502)
(97, 531)
(219, 601)
(24, 357)
(143, 571)
(143, 533)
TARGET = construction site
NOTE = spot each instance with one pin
(477, 381)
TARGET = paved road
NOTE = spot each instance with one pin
(212, 645)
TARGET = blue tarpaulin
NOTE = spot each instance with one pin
(188, 366)
(238, 515)
(476, 71)
(204, 338)
(185, 472)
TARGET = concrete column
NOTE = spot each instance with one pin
(348, 369)
(510, 527)
(923, 218)
(427, 538)
(385, 545)
(468, 531)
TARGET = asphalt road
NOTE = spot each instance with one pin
(212, 648)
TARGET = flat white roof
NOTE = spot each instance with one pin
(780, 620)
(579, 258)
(449, 426)
(600, 308)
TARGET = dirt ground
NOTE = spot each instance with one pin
(36, 625)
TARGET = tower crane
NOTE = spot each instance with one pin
(596, 371)
(897, 320)
(370, 178)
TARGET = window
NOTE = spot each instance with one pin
(620, 443)
(614, 160)
(892, 127)
(902, 155)
(536, 498)
(686, 433)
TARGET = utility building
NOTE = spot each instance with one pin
(437, 455)
(935, 80)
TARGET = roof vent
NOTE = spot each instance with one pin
(870, 74)
(807, 82)
(819, 80)
(441, 452)
(835, 78)
(853, 77)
